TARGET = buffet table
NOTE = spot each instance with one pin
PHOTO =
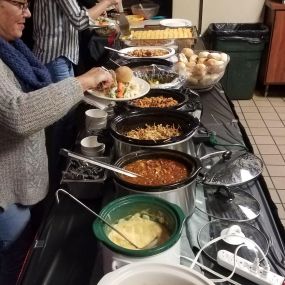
(66, 251)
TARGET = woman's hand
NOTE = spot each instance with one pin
(95, 77)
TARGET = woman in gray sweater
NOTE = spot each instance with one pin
(29, 102)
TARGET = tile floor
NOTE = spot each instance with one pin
(264, 121)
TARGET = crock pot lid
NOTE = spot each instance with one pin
(215, 228)
(240, 168)
(228, 204)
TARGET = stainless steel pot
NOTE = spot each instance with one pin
(132, 120)
(182, 193)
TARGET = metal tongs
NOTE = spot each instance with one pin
(102, 164)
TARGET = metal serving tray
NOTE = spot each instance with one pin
(85, 181)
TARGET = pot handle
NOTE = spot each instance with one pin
(118, 263)
(199, 167)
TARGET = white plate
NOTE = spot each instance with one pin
(175, 23)
(143, 89)
(170, 51)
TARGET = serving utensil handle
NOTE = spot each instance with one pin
(94, 213)
(102, 164)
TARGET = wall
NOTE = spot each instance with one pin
(219, 11)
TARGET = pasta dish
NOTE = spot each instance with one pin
(154, 132)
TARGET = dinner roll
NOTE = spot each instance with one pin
(203, 54)
(217, 66)
(199, 70)
(124, 74)
(202, 60)
(193, 57)
(187, 51)
(182, 57)
(193, 80)
(224, 57)
(190, 65)
(214, 55)
(180, 67)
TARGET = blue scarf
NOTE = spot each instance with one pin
(31, 74)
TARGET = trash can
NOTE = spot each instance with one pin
(244, 43)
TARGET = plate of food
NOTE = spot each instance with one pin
(147, 52)
(101, 22)
(126, 86)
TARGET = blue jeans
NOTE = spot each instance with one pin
(62, 133)
(15, 240)
(60, 68)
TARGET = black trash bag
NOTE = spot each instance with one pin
(250, 32)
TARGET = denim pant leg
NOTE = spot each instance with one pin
(60, 68)
(15, 240)
(62, 133)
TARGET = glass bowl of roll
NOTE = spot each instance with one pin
(202, 68)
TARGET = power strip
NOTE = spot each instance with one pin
(246, 269)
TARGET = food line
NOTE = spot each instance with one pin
(80, 249)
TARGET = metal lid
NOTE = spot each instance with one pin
(230, 168)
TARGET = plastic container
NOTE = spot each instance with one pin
(244, 43)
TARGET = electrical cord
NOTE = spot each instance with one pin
(213, 141)
(266, 267)
(210, 270)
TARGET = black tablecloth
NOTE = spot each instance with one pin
(66, 250)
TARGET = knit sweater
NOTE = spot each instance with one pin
(23, 117)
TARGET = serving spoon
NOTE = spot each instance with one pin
(117, 51)
(149, 245)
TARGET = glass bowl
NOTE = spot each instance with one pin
(201, 68)
(147, 10)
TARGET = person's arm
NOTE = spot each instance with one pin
(22, 114)
(78, 17)
(101, 7)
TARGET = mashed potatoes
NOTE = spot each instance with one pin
(141, 230)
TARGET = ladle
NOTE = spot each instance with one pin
(102, 164)
(95, 214)
(149, 245)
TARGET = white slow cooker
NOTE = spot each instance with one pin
(154, 274)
